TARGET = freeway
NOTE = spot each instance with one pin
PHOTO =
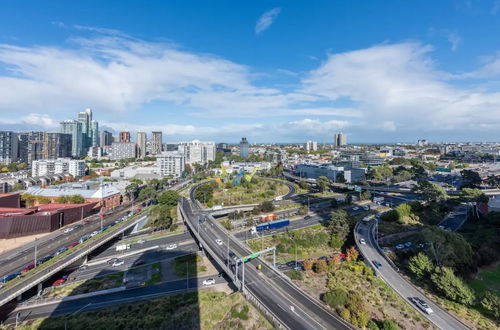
(110, 299)
(371, 253)
(293, 308)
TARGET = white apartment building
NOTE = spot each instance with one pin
(200, 152)
(122, 150)
(311, 146)
(171, 163)
(46, 167)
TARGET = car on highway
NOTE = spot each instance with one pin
(307, 217)
(171, 247)
(219, 242)
(407, 244)
(209, 281)
(83, 238)
(43, 259)
(72, 245)
(60, 281)
(95, 232)
(9, 277)
(117, 263)
(362, 241)
(82, 267)
(61, 250)
(68, 230)
(377, 263)
(138, 263)
(422, 305)
(28, 268)
(141, 241)
(400, 246)
(112, 260)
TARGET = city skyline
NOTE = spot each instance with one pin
(283, 72)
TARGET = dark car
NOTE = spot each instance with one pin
(138, 263)
(377, 263)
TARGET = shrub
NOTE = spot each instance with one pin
(296, 275)
(336, 242)
(372, 325)
(389, 325)
(320, 266)
(308, 264)
(420, 265)
(335, 298)
(491, 303)
(344, 313)
(390, 216)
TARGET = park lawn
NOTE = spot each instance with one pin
(256, 193)
(204, 309)
(310, 242)
(487, 281)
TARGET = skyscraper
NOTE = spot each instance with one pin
(85, 117)
(340, 140)
(94, 133)
(56, 145)
(30, 146)
(74, 128)
(124, 137)
(156, 143)
(8, 147)
(105, 138)
(244, 147)
(141, 144)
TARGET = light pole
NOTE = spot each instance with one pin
(35, 251)
(296, 255)
(228, 252)
(67, 317)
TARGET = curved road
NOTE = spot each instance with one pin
(439, 317)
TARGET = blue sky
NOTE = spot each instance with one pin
(274, 71)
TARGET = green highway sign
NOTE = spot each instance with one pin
(252, 256)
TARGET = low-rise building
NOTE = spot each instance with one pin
(48, 167)
(313, 171)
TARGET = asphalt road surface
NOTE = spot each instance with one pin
(439, 317)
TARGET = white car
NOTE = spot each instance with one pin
(362, 241)
(355, 208)
(118, 263)
(422, 305)
(219, 242)
(141, 241)
(209, 281)
(68, 230)
(171, 246)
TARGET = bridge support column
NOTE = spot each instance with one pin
(20, 297)
(39, 289)
(86, 259)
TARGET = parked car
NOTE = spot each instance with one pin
(355, 208)
(117, 263)
(422, 305)
(61, 250)
(9, 277)
(43, 259)
(209, 281)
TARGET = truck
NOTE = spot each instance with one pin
(122, 247)
(268, 217)
(270, 225)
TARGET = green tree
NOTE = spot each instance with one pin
(380, 173)
(430, 191)
(339, 178)
(28, 199)
(131, 190)
(302, 210)
(161, 216)
(339, 224)
(491, 303)
(303, 184)
(204, 193)
(451, 286)
(320, 266)
(17, 186)
(76, 199)
(323, 182)
(148, 193)
(366, 195)
(336, 242)
(473, 194)
(493, 180)
(389, 325)
(420, 265)
(336, 297)
(62, 199)
(471, 178)
(169, 197)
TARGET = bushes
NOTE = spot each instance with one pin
(420, 265)
(390, 216)
(296, 275)
(336, 242)
(451, 286)
(335, 298)
(389, 325)
(308, 264)
(320, 266)
(491, 304)
(344, 313)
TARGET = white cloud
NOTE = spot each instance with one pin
(265, 21)
(398, 87)
(42, 121)
(455, 41)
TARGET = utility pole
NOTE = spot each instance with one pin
(36, 250)
(228, 252)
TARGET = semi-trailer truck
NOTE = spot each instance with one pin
(270, 225)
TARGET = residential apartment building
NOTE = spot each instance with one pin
(46, 167)
(340, 140)
(30, 146)
(56, 145)
(8, 147)
(141, 144)
(311, 146)
(124, 137)
(105, 139)
(156, 143)
(74, 128)
(122, 150)
(200, 152)
(244, 147)
(171, 163)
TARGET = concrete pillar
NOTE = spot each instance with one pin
(39, 288)
(20, 297)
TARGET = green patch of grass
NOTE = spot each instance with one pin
(487, 281)
(189, 265)
(156, 274)
(240, 312)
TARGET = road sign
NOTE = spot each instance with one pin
(249, 257)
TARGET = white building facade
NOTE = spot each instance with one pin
(200, 152)
(171, 164)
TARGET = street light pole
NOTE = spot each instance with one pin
(35, 251)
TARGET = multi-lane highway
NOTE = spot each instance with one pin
(385, 271)
(287, 303)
